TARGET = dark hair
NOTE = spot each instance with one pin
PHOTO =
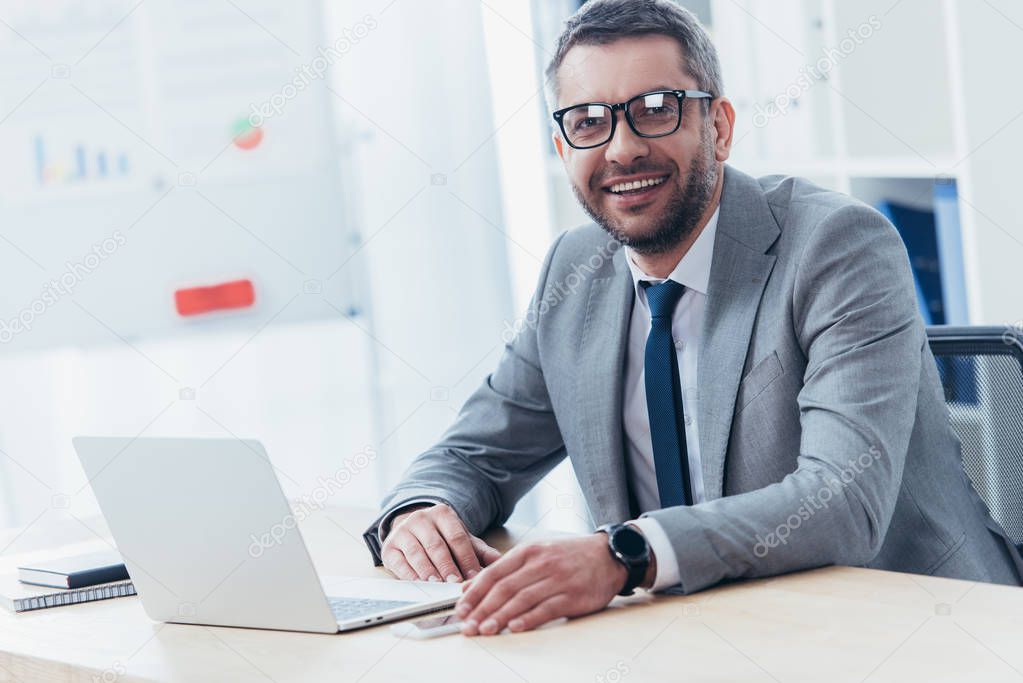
(600, 22)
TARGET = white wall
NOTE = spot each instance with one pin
(294, 387)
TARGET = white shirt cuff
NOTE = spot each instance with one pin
(667, 564)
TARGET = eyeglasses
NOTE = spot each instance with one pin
(650, 115)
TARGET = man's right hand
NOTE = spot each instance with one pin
(430, 543)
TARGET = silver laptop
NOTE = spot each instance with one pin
(208, 537)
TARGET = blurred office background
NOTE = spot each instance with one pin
(373, 186)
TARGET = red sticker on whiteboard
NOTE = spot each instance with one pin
(225, 296)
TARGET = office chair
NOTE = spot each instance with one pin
(981, 372)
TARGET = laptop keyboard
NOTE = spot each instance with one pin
(346, 608)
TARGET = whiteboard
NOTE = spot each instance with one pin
(142, 156)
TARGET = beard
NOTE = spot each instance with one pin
(686, 205)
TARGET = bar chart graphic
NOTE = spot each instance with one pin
(77, 163)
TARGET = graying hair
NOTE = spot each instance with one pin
(599, 22)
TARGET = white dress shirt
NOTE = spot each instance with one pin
(693, 271)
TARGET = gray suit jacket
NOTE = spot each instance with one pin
(823, 431)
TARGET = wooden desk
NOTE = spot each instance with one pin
(834, 624)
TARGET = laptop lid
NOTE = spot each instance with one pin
(186, 514)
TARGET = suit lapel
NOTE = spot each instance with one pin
(599, 383)
(738, 275)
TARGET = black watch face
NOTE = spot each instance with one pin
(629, 542)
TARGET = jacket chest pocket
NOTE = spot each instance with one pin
(758, 379)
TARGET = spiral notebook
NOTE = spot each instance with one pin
(18, 597)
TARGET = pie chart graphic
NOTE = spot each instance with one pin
(245, 135)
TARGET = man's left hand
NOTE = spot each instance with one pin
(536, 583)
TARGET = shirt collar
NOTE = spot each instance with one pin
(693, 270)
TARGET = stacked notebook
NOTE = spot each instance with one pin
(66, 581)
(20, 597)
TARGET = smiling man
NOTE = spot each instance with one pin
(741, 379)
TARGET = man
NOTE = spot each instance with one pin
(746, 384)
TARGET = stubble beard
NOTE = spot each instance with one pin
(680, 217)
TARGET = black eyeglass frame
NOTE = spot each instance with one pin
(682, 96)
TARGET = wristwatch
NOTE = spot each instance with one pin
(630, 547)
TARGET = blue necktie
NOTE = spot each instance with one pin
(664, 397)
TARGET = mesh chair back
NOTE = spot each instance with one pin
(981, 372)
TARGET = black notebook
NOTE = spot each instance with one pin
(77, 571)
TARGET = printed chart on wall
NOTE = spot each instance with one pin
(167, 166)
